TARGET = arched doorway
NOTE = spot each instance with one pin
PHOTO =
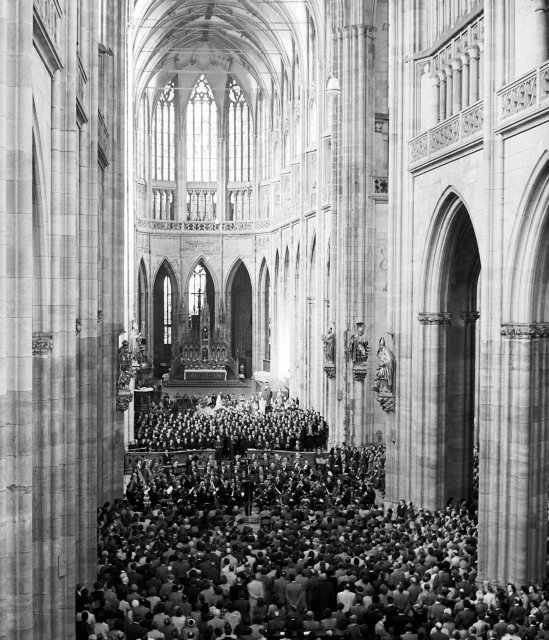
(265, 315)
(142, 298)
(445, 423)
(241, 318)
(201, 299)
(165, 304)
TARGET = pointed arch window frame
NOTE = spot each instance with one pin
(240, 133)
(201, 118)
(163, 157)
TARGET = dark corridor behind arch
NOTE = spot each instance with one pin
(241, 320)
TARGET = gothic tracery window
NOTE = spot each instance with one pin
(202, 134)
(197, 290)
(167, 311)
(240, 148)
(163, 130)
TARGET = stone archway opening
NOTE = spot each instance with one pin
(241, 319)
(165, 304)
(460, 364)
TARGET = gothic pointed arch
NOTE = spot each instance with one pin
(265, 314)
(449, 335)
(201, 289)
(165, 325)
(527, 295)
(240, 297)
(142, 295)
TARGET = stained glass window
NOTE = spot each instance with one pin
(197, 290)
(163, 130)
(167, 311)
(240, 135)
(202, 134)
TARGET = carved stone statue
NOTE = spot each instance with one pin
(134, 344)
(125, 357)
(385, 372)
(358, 346)
(329, 345)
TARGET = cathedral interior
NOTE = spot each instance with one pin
(344, 201)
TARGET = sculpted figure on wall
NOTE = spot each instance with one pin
(329, 345)
(358, 346)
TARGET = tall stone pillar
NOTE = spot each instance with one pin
(465, 81)
(428, 436)
(514, 464)
(448, 72)
(354, 46)
(474, 75)
(457, 97)
(441, 96)
(429, 99)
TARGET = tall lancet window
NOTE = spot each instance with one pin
(240, 138)
(163, 130)
(202, 134)
(167, 311)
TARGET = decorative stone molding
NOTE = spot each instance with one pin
(78, 326)
(469, 317)
(330, 370)
(525, 331)
(99, 316)
(123, 400)
(125, 374)
(42, 344)
(434, 317)
(387, 401)
(359, 372)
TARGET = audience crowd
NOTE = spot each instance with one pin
(178, 559)
(230, 427)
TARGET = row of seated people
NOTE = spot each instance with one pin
(233, 430)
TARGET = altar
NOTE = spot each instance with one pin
(205, 374)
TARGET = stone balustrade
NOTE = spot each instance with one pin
(163, 203)
(530, 91)
(449, 134)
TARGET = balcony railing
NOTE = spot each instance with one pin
(448, 134)
(530, 91)
(163, 203)
(231, 226)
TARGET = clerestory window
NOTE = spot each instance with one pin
(240, 138)
(202, 134)
(163, 136)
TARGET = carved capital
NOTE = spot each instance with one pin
(524, 331)
(42, 344)
(387, 401)
(359, 372)
(469, 316)
(123, 400)
(330, 370)
(436, 317)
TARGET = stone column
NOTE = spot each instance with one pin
(514, 464)
(474, 78)
(465, 81)
(448, 72)
(428, 487)
(429, 98)
(457, 96)
(441, 96)
(531, 34)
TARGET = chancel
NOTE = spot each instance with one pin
(275, 318)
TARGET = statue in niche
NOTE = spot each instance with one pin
(385, 373)
(358, 346)
(329, 345)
